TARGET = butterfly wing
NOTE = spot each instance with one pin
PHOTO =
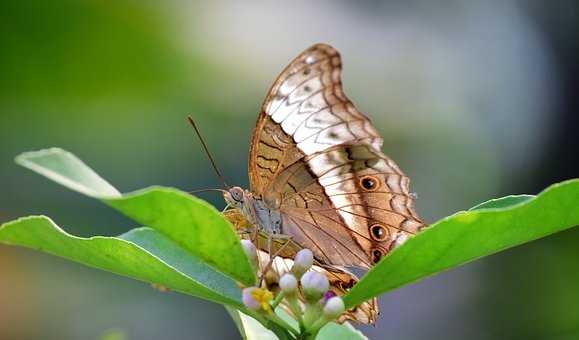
(318, 159)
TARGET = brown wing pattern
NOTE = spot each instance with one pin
(272, 150)
(304, 112)
(309, 103)
(370, 193)
(318, 160)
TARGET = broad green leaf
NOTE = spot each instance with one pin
(251, 329)
(469, 235)
(503, 202)
(182, 261)
(190, 222)
(65, 168)
(334, 331)
(143, 254)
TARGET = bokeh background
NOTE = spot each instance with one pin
(475, 100)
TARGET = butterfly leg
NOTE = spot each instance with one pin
(286, 239)
(245, 233)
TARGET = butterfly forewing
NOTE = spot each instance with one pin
(308, 102)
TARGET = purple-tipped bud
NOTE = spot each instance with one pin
(334, 307)
(288, 284)
(314, 284)
(250, 251)
(302, 262)
(328, 295)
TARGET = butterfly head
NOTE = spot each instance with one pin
(235, 196)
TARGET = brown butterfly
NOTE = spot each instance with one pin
(317, 172)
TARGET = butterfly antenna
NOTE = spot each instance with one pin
(205, 190)
(221, 178)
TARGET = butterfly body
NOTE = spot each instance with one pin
(255, 210)
(317, 172)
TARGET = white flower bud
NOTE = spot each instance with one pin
(334, 307)
(314, 284)
(302, 262)
(250, 251)
(288, 284)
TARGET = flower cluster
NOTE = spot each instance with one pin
(303, 291)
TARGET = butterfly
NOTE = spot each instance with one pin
(317, 173)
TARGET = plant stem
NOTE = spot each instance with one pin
(277, 300)
(281, 322)
(297, 310)
(312, 313)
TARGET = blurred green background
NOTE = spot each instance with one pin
(475, 100)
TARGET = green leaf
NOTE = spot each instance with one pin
(143, 254)
(334, 331)
(469, 235)
(65, 168)
(192, 223)
(249, 328)
(503, 202)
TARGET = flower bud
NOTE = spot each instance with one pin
(250, 251)
(334, 307)
(288, 284)
(302, 262)
(314, 284)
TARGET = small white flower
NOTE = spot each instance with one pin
(314, 284)
(288, 284)
(334, 307)
(250, 250)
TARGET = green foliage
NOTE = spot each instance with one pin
(191, 223)
(187, 246)
(142, 253)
